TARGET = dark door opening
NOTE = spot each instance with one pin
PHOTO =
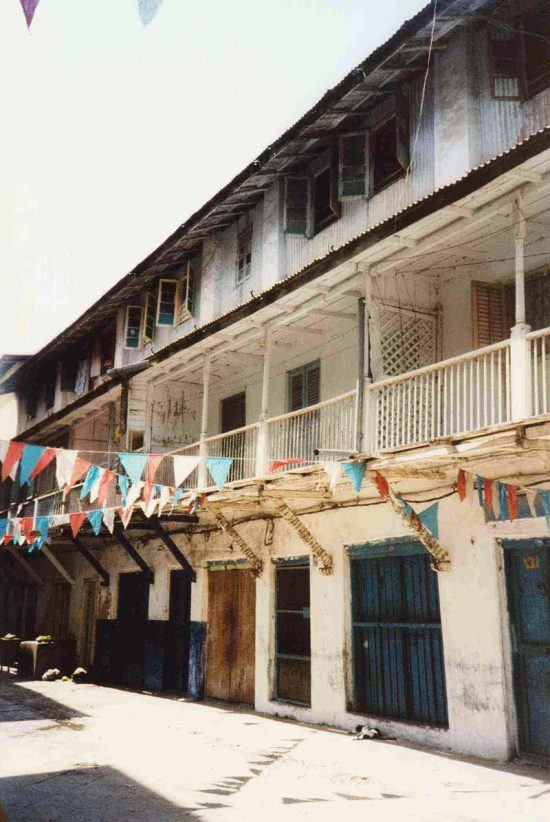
(292, 634)
(177, 650)
(527, 564)
(133, 606)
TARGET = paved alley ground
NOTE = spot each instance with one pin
(82, 752)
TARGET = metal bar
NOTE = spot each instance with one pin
(131, 551)
(25, 564)
(89, 557)
(173, 548)
(57, 565)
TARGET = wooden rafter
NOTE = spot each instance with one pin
(132, 552)
(25, 564)
(227, 528)
(325, 559)
(57, 565)
(172, 547)
(89, 557)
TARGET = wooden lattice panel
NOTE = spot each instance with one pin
(408, 340)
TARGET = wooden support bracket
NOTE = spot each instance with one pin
(25, 564)
(89, 557)
(225, 525)
(173, 548)
(325, 559)
(132, 552)
(57, 565)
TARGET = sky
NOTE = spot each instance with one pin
(114, 132)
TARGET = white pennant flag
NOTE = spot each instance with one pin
(183, 466)
(95, 487)
(163, 498)
(65, 461)
(531, 498)
(109, 519)
(148, 507)
(134, 494)
(4, 445)
(333, 469)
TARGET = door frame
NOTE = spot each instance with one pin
(294, 562)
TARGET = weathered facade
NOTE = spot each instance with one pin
(373, 286)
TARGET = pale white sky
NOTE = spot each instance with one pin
(114, 133)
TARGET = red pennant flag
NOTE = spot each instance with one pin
(13, 455)
(77, 520)
(80, 468)
(7, 538)
(29, 8)
(43, 462)
(104, 488)
(512, 494)
(153, 462)
(27, 526)
(125, 515)
(382, 485)
(461, 484)
(488, 495)
(280, 463)
(147, 491)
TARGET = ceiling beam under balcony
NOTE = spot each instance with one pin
(133, 554)
(91, 560)
(11, 549)
(57, 565)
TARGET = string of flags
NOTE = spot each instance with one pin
(147, 10)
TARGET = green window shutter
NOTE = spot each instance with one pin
(134, 318)
(353, 165)
(150, 309)
(167, 299)
(304, 386)
(187, 307)
(296, 206)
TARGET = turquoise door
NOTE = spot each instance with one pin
(527, 565)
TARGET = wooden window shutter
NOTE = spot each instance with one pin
(490, 320)
(150, 310)
(187, 307)
(296, 390)
(134, 320)
(297, 198)
(353, 165)
(313, 384)
(402, 151)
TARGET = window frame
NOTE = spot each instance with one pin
(304, 370)
(244, 240)
(150, 300)
(374, 187)
(365, 134)
(306, 178)
(139, 308)
(177, 302)
(186, 309)
(524, 92)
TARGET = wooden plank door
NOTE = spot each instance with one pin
(230, 647)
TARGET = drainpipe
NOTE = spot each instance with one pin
(520, 359)
(124, 374)
(203, 449)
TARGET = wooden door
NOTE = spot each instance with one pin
(230, 648)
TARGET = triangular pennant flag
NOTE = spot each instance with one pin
(123, 484)
(92, 479)
(42, 526)
(153, 463)
(355, 471)
(183, 466)
(148, 9)
(29, 460)
(133, 464)
(65, 461)
(488, 495)
(80, 468)
(126, 515)
(512, 493)
(27, 526)
(77, 521)
(29, 8)
(532, 502)
(148, 507)
(503, 501)
(134, 494)
(147, 492)
(461, 485)
(545, 500)
(178, 494)
(47, 457)
(7, 539)
(219, 468)
(381, 484)
(276, 464)
(3, 527)
(333, 470)
(104, 487)
(4, 445)
(95, 518)
(429, 518)
(11, 460)
(165, 492)
(94, 492)
(479, 483)
(109, 519)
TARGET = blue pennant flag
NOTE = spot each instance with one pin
(219, 468)
(148, 9)
(429, 518)
(479, 483)
(503, 501)
(124, 485)
(178, 494)
(156, 490)
(42, 524)
(133, 465)
(29, 460)
(3, 527)
(545, 499)
(95, 518)
(355, 471)
(91, 478)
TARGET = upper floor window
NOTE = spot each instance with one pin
(518, 50)
(312, 199)
(389, 149)
(134, 321)
(150, 315)
(304, 386)
(49, 388)
(244, 255)
(324, 196)
(167, 305)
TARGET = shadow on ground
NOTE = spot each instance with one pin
(18, 704)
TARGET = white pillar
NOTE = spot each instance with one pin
(203, 450)
(520, 347)
(262, 446)
(367, 444)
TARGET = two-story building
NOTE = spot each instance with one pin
(372, 289)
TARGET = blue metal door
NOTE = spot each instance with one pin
(397, 644)
(527, 565)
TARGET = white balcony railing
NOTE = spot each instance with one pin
(539, 361)
(240, 445)
(456, 396)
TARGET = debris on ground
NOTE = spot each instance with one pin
(51, 674)
(364, 732)
(79, 675)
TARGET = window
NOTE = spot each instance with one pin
(49, 388)
(353, 165)
(490, 321)
(244, 260)
(398, 669)
(167, 302)
(312, 200)
(134, 319)
(518, 50)
(31, 401)
(389, 148)
(137, 440)
(304, 386)
(149, 320)
(233, 411)
(326, 206)
(297, 206)
(187, 307)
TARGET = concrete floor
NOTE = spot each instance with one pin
(82, 752)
